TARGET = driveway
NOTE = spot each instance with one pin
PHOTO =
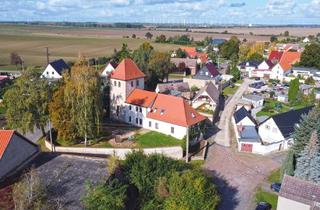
(65, 177)
(238, 174)
(223, 137)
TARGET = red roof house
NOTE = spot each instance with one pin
(288, 59)
(15, 152)
(275, 56)
(127, 70)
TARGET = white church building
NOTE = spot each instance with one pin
(132, 104)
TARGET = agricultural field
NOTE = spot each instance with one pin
(30, 42)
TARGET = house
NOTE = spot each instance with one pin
(317, 94)
(282, 97)
(166, 114)
(180, 89)
(306, 89)
(263, 70)
(208, 72)
(55, 69)
(275, 56)
(217, 42)
(256, 100)
(298, 194)
(242, 117)
(278, 129)
(185, 65)
(243, 103)
(283, 68)
(247, 66)
(305, 72)
(207, 96)
(16, 152)
(306, 40)
(108, 69)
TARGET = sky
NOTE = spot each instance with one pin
(276, 12)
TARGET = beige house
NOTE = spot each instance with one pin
(297, 194)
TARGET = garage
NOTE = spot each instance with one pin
(246, 147)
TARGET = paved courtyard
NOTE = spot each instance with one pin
(65, 177)
(238, 174)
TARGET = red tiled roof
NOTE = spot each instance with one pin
(142, 98)
(127, 70)
(5, 137)
(275, 56)
(191, 51)
(174, 110)
(288, 59)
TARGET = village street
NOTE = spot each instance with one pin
(223, 136)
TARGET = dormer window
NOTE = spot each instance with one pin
(155, 110)
(162, 112)
(193, 115)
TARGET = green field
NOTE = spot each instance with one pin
(31, 42)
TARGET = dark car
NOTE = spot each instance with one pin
(263, 206)
(275, 187)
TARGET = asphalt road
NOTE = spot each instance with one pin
(223, 137)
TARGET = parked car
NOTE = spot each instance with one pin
(275, 187)
(263, 206)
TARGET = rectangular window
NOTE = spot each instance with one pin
(172, 130)
(137, 109)
(136, 120)
(119, 84)
(140, 110)
(115, 83)
(131, 83)
(150, 123)
(137, 82)
(130, 107)
(157, 126)
(140, 121)
(129, 118)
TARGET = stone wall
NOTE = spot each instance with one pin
(172, 152)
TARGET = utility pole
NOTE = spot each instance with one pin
(187, 146)
(47, 53)
(50, 135)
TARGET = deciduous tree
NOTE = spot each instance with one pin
(293, 90)
(27, 102)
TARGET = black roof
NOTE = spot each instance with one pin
(286, 121)
(242, 113)
(253, 63)
(208, 71)
(59, 65)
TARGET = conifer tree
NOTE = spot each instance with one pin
(308, 162)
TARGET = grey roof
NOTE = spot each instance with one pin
(299, 190)
(301, 68)
(242, 113)
(177, 86)
(252, 97)
(207, 72)
(211, 90)
(249, 134)
(189, 62)
(305, 87)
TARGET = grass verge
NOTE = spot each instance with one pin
(274, 176)
(263, 196)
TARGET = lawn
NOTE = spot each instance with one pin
(2, 110)
(155, 139)
(268, 197)
(176, 76)
(230, 90)
(270, 109)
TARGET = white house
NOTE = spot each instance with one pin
(278, 129)
(166, 114)
(247, 66)
(256, 100)
(306, 40)
(242, 117)
(108, 69)
(298, 194)
(305, 73)
(284, 67)
(263, 70)
(55, 69)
